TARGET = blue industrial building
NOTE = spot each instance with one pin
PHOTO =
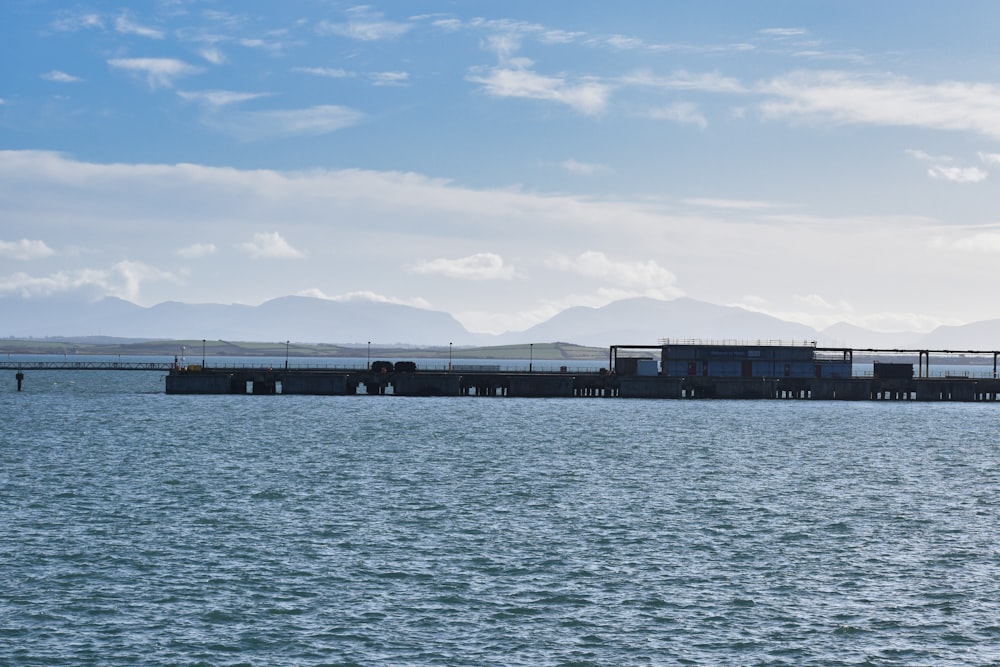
(753, 361)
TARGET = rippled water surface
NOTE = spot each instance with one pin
(140, 528)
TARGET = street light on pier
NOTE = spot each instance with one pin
(286, 355)
(202, 352)
(449, 357)
(531, 356)
(369, 355)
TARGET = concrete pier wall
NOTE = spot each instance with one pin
(564, 385)
(190, 383)
(541, 386)
(649, 387)
(316, 385)
(426, 384)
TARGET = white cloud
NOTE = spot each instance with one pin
(158, 72)
(124, 280)
(846, 97)
(981, 242)
(196, 250)
(560, 36)
(588, 97)
(708, 82)
(389, 78)
(840, 312)
(364, 25)
(25, 249)
(957, 174)
(447, 24)
(330, 72)
(684, 113)
(503, 46)
(624, 43)
(990, 158)
(784, 32)
(416, 302)
(270, 245)
(346, 215)
(255, 125)
(126, 25)
(731, 204)
(647, 277)
(214, 56)
(60, 77)
(816, 301)
(256, 43)
(481, 266)
(941, 168)
(219, 98)
(582, 168)
(71, 22)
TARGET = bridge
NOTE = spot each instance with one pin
(86, 365)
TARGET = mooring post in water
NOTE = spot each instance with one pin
(20, 379)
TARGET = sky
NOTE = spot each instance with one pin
(821, 162)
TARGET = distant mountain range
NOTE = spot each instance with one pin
(638, 321)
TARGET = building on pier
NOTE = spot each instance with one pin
(742, 360)
(753, 361)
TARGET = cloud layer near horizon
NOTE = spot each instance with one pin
(225, 228)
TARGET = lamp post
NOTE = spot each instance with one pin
(286, 355)
(369, 355)
(449, 357)
(202, 352)
(531, 356)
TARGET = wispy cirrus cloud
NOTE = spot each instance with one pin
(58, 76)
(270, 245)
(218, 98)
(784, 32)
(684, 113)
(126, 24)
(879, 99)
(480, 266)
(729, 204)
(364, 25)
(706, 82)
(256, 125)
(328, 72)
(589, 97)
(25, 249)
(196, 250)
(213, 55)
(158, 72)
(389, 78)
(69, 21)
(583, 168)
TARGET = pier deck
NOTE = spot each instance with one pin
(268, 381)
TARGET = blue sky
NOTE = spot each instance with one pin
(818, 161)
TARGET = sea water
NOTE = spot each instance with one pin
(138, 528)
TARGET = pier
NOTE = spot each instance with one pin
(669, 370)
(265, 381)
